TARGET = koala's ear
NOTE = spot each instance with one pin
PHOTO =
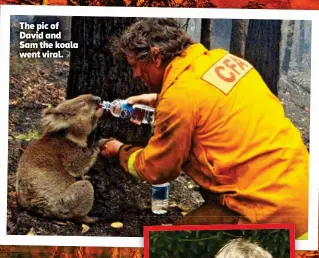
(49, 110)
(52, 122)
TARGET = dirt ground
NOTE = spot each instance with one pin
(33, 85)
(36, 83)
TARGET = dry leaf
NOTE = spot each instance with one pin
(173, 204)
(31, 232)
(85, 228)
(60, 223)
(191, 185)
(117, 225)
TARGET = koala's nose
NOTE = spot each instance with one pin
(97, 99)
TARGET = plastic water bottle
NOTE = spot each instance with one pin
(160, 198)
(141, 114)
(137, 112)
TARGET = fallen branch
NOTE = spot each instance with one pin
(14, 79)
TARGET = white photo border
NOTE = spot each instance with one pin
(8, 10)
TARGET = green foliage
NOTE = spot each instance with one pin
(30, 135)
(206, 244)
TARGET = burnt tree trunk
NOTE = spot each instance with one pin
(65, 23)
(185, 26)
(301, 47)
(287, 55)
(206, 32)
(263, 50)
(238, 37)
(94, 70)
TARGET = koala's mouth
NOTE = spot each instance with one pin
(99, 112)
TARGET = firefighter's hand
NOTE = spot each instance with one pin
(111, 148)
(146, 99)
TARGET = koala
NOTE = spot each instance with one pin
(51, 174)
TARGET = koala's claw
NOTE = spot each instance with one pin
(85, 177)
(103, 141)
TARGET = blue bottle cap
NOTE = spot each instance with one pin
(106, 105)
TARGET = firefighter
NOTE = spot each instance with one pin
(216, 120)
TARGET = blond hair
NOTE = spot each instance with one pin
(241, 248)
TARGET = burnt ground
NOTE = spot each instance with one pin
(34, 84)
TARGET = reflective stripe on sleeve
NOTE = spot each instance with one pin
(130, 165)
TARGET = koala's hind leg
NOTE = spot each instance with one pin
(76, 202)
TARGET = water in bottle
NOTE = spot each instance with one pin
(143, 114)
(160, 198)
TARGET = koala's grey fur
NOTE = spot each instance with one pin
(51, 172)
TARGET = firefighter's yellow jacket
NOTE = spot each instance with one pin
(217, 121)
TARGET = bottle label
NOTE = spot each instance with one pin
(126, 111)
(160, 192)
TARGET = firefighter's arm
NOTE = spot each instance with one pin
(161, 160)
(146, 99)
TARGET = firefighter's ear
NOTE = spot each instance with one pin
(157, 58)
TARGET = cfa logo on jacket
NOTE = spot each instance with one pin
(225, 74)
